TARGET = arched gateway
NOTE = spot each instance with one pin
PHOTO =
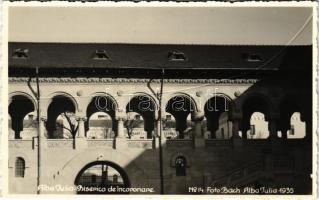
(102, 177)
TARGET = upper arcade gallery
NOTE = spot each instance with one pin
(123, 81)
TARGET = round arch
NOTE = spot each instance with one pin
(28, 96)
(255, 102)
(270, 105)
(184, 95)
(20, 106)
(60, 104)
(146, 106)
(214, 108)
(289, 104)
(148, 96)
(115, 104)
(66, 95)
(120, 170)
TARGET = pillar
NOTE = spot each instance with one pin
(273, 131)
(120, 128)
(81, 129)
(199, 140)
(80, 140)
(120, 140)
(236, 139)
(42, 126)
(272, 127)
(284, 135)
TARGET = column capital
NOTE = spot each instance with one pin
(43, 118)
(120, 118)
(198, 116)
(80, 118)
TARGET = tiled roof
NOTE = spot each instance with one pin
(153, 56)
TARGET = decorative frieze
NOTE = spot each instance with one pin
(130, 80)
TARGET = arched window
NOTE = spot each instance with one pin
(19, 167)
(297, 127)
(180, 165)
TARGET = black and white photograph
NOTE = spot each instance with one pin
(161, 99)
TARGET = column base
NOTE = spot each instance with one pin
(121, 143)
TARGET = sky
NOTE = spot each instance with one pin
(162, 25)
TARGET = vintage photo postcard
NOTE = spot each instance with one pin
(215, 99)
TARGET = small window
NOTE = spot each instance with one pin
(252, 130)
(180, 165)
(252, 57)
(100, 55)
(176, 56)
(21, 54)
(19, 167)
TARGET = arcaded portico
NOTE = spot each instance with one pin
(101, 125)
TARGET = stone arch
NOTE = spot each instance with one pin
(21, 104)
(144, 94)
(214, 108)
(111, 97)
(59, 104)
(255, 102)
(13, 157)
(146, 106)
(102, 102)
(182, 94)
(20, 93)
(68, 172)
(289, 104)
(64, 94)
(181, 105)
(120, 170)
(188, 159)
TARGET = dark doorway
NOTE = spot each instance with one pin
(102, 177)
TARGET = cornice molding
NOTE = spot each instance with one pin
(130, 80)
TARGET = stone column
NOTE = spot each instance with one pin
(199, 140)
(80, 140)
(120, 127)
(42, 127)
(284, 135)
(235, 138)
(272, 127)
(81, 129)
(273, 131)
(120, 140)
